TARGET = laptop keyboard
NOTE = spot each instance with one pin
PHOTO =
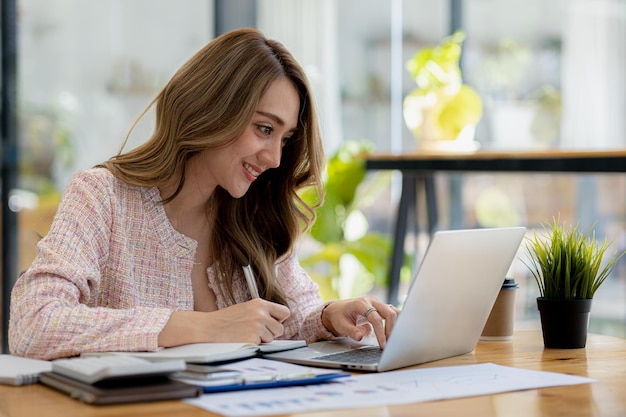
(368, 355)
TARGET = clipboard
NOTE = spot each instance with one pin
(274, 383)
(260, 373)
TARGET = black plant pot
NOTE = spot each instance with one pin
(564, 322)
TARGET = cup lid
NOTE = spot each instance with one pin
(510, 283)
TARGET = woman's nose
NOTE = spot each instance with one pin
(272, 153)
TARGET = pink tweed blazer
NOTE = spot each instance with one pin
(111, 271)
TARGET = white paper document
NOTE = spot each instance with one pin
(15, 370)
(387, 388)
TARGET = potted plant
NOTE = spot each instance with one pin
(345, 258)
(569, 267)
(441, 112)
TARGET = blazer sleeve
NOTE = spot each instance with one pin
(305, 302)
(52, 314)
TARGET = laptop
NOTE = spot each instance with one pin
(445, 311)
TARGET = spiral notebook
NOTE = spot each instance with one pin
(15, 370)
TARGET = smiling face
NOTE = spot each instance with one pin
(259, 147)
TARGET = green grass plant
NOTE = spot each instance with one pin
(567, 263)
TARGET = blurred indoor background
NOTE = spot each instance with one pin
(552, 74)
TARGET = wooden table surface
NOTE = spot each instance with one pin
(603, 359)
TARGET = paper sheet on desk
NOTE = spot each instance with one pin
(387, 388)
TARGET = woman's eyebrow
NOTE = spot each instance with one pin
(273, 117)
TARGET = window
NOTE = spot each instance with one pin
(550, 74)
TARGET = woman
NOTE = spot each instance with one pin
(147, 249)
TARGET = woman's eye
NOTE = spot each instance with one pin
(266, 130)
(285, 140)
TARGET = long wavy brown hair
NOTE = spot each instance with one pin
(207, 105)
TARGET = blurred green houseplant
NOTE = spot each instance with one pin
(441, 107)
(347, 260)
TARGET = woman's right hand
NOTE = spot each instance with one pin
(255, 321)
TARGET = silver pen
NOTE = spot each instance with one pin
(247, 271)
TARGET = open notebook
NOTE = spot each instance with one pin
(211, 352)
(445, 310)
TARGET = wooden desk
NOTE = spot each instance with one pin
(416, 168)
(603, 359)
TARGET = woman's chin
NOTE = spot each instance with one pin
(239, 192)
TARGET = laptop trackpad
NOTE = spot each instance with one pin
(338, 345)
(321, 348)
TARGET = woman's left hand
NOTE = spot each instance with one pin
(356, 318)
